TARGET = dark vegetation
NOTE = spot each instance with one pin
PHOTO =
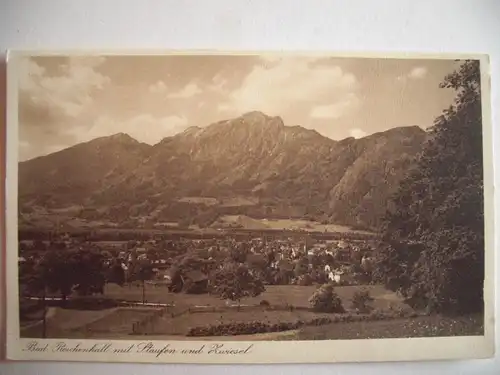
(432, 249)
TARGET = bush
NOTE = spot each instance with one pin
(305, 280)
(264, 303)
(250, 328)
(326, 300)
(195, 288)
(361, 301)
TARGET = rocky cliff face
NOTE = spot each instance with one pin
(254, 162)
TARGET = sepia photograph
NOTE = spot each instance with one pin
(218, 198)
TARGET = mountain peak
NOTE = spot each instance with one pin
(120, 137)
(192, 130)
(259, 118)
(255, 115)
(412, 130)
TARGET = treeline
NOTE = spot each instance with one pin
(173, 234)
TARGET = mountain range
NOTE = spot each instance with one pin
(250, 165)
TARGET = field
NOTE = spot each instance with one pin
(246, 222)
(203, 310)
(423, 326)
(275, 294)
(180, 325)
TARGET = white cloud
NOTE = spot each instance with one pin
(218, 84)
(336, 110)
(283, 83)
(357, 133)
(145, 128)
(188, 91)
(69, 92)
(223, 107)
(418, 73)
(158, 88)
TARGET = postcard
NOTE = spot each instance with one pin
(223, 207)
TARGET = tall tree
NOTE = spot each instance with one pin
(116, 273)
(234, 282)
(69, 270)
(433, 235)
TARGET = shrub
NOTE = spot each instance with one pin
(264, 303)
(361, 301)
(250, 328)
(326, 300)
(305, 280)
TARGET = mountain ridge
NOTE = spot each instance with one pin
(290, 171)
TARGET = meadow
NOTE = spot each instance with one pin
(293, 295)
(202, 309)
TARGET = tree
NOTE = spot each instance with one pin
(433, 241)
(238, 253)
(184, 267)
(235, 281)
(325, 299)
(89, 272)
(64, 272)
(258, 264)
(301, 267)
(116, 273)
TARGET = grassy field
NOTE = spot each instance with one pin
(180, 325)
(423, 326)
(247, 222)
(116, 322)
(275, 294)
(117, 325)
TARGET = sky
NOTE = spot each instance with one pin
(65, 100)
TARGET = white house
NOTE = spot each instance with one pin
(334, 277)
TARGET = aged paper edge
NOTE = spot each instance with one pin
(260, 352)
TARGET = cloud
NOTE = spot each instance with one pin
(188, 91)
(68, 93)
(418, 73)
(336, 110)
(144, 128)
(357, 133)
(158, 88)
(280, 84)
(218, 84)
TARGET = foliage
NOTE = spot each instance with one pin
(305, 280)
(116, 273)
(140, 270)
(325, 299)
(432, 248)
(186, 264)
(89, 272)
(301, 267)
(361, 301)
(235, 281)
(238, 253)
(64, 272)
